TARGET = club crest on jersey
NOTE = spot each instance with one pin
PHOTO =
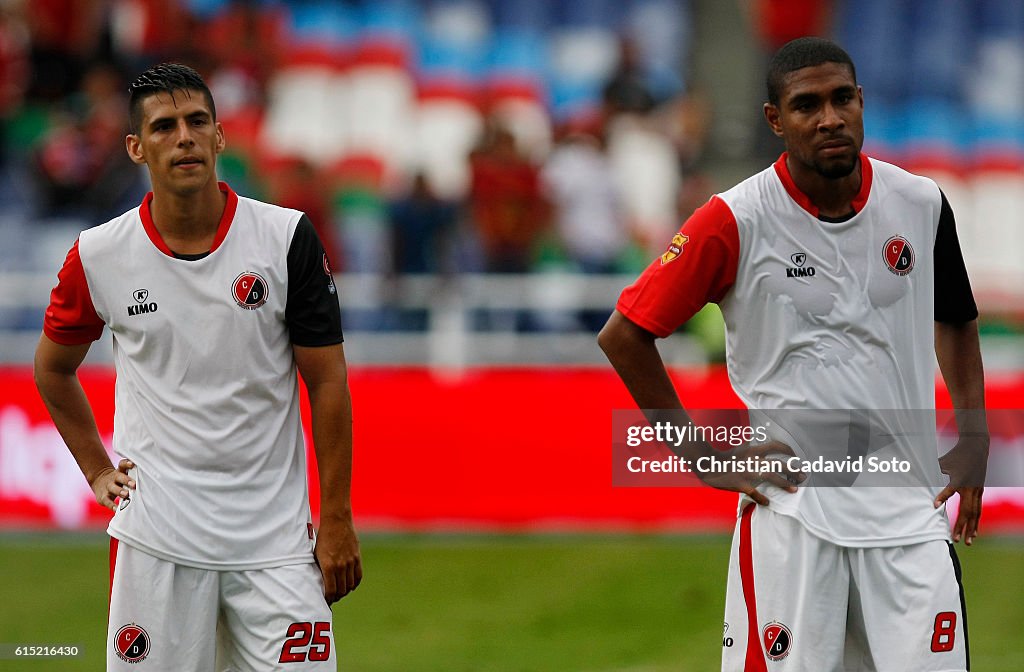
(250, 290)
(898, 255)
(777, 639)
(799, 270)
(131, 643)
(141, 306)
(675, 248)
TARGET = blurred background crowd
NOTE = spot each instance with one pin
(497, 166)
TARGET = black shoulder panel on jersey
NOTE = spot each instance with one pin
(954, 300)
(312, 313)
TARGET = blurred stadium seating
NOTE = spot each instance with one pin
(358, 97)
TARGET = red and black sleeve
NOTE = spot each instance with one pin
(71, 317)
(699, 267)
(954, 300)
(312, 314)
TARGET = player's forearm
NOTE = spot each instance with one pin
(331, 412)
(958, 351)
(635, 357)
(72, 416)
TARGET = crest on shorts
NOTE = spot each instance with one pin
(777, 639)
(250, 290)
(131, 643)
(898, 255)
(675, 248)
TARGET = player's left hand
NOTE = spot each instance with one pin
(337, 554)
(966, 465)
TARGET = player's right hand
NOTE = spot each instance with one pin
(112, 484)
(769, 466)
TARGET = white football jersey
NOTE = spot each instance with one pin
(206, 393)
(821, 315)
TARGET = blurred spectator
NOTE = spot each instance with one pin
(422, 230)
(65, 34)
(361, 220)
(420, 226)
(14, 69)
(14, 59)
(80, 165)
(506, 203)
(628, 89)
(589, 218)
(144, 32)
(298, 185)
(245, 44)
(588, 214)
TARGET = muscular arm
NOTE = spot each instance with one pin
(337, 548)
(958, 352)
(634, 355)
(56, 368)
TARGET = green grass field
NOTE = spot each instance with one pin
(495, 603)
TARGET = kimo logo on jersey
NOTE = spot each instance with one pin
(675, 248)
(799, 270)
(898, 255)
(778, 640)
(131, 643)
(250, 290)
(142, 306)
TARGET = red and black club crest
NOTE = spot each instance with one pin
(898, 255)
(250, 290)
(131, 643)
(778, 640)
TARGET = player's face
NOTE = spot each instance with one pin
(820, 117)
(178, 140)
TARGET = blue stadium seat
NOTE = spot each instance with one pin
(393, 19)
(884, 129)
(323, 23)
(997, 135)
(663, 31)
(1000, 18)
(519, 52)
(941, 44)
(440, 58)
(573, 99)
(535, 15)
(876, 34)
(606, 14)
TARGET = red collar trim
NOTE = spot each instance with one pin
(222, 228)
(858, 203)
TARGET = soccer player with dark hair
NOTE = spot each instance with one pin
(840, 279)
(215, 302)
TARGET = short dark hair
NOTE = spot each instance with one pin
(803, 52)
(164, 78)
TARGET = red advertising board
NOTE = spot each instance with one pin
(493, 449)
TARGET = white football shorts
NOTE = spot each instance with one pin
(166, 617)
(796, 602)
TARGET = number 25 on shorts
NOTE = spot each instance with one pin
(306, 641)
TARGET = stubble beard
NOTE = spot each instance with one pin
(838, 169)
